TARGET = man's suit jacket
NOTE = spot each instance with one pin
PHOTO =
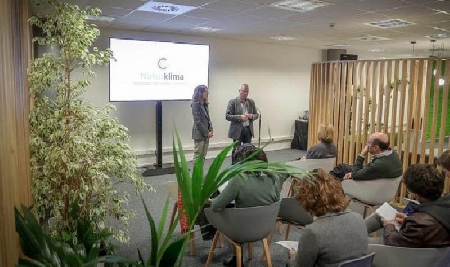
(233, 114)
(202, 122)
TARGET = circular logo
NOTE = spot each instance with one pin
(162, 63)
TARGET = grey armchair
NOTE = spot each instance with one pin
(292, 214)
(371, 193)
(364, 261)
(387, 256)
(243, 225)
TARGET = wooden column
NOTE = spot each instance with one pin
(15, 53)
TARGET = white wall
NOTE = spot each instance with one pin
(278, 77)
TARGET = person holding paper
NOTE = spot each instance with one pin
(337, 234)
(385, 162)
(241, 112)
(424, 225)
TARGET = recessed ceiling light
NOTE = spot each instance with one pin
(340, 45)
(391, 23)
(165, 8)
(206, 29)
(375, 50)
(371, 38)
(283, 38)
(300, 5)
(100, 18)
(439, 36)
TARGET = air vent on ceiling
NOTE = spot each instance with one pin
(165, 8)
(391, 23)
(371, 38)
(300, 5)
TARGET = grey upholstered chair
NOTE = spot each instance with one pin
(364, 261)
(371, 193)
(387, 256)
(292, 213)
(243, 225)
(311, 164)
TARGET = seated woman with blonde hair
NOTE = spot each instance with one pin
(326, 148)
(337, 234)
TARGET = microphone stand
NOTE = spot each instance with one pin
(259, 128)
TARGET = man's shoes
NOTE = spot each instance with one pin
(232, 262)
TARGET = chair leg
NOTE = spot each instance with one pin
(192, 243)
(238, 255)
(280, 227)
(288, 228)
(174, 212)
(267, 252)
(250, 251)
(213, 247)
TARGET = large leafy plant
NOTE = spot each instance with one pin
(78, 151)
(196, 188)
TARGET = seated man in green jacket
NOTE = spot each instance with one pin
(385, 162)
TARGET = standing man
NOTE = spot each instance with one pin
(202, 130)
(241, 112)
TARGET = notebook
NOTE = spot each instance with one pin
(387, 212)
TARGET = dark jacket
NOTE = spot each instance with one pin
(233, 114)
(202, 123)
(428, 226)
(388, 166)
(322, 151)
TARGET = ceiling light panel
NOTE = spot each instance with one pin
(300, 5)
(391, 23)
(371, 38)
(165, 8)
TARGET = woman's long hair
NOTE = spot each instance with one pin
(197, 96)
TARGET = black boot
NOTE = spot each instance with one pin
(232, 262)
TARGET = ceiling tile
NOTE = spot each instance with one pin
(370, 5)
(208, 13)
(151, 16)
(231, 6)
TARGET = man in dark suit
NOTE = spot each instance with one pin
(241, 112)
(202, 130)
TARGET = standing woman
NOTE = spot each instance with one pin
(202, 129)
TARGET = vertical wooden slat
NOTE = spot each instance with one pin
(365, 99)
(426, 109)
(15, 54)
(444, 106)
(409, 114)
(360, 101)
(435, 109)
(347, 112)
(340, 125)
(374, 108)
(391, 93)
(352, 133)
(382, 92)
(417, 118)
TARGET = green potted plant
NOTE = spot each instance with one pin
(165, 250)
(78, 151)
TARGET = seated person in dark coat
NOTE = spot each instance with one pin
(426, 224)
(326, 148)
(385, 162)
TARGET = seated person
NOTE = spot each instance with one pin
(443, 163)
(257, 189)
(326, 148)
(385, 162)
(426, 224)
(337, 234)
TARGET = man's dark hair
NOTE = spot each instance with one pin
(382, 145)
(424, 180)
(243, 151)
(444, 160)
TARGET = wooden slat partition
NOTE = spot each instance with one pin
(15, 53)
(389, 95)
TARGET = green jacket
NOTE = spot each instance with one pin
(249, 191)
(381, 167)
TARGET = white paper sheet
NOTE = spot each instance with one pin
(387, 212)
(291, 245)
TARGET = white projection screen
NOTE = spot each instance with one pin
(149, 70)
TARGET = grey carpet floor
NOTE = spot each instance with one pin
(140, 234)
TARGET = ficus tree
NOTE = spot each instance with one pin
(78, 151)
